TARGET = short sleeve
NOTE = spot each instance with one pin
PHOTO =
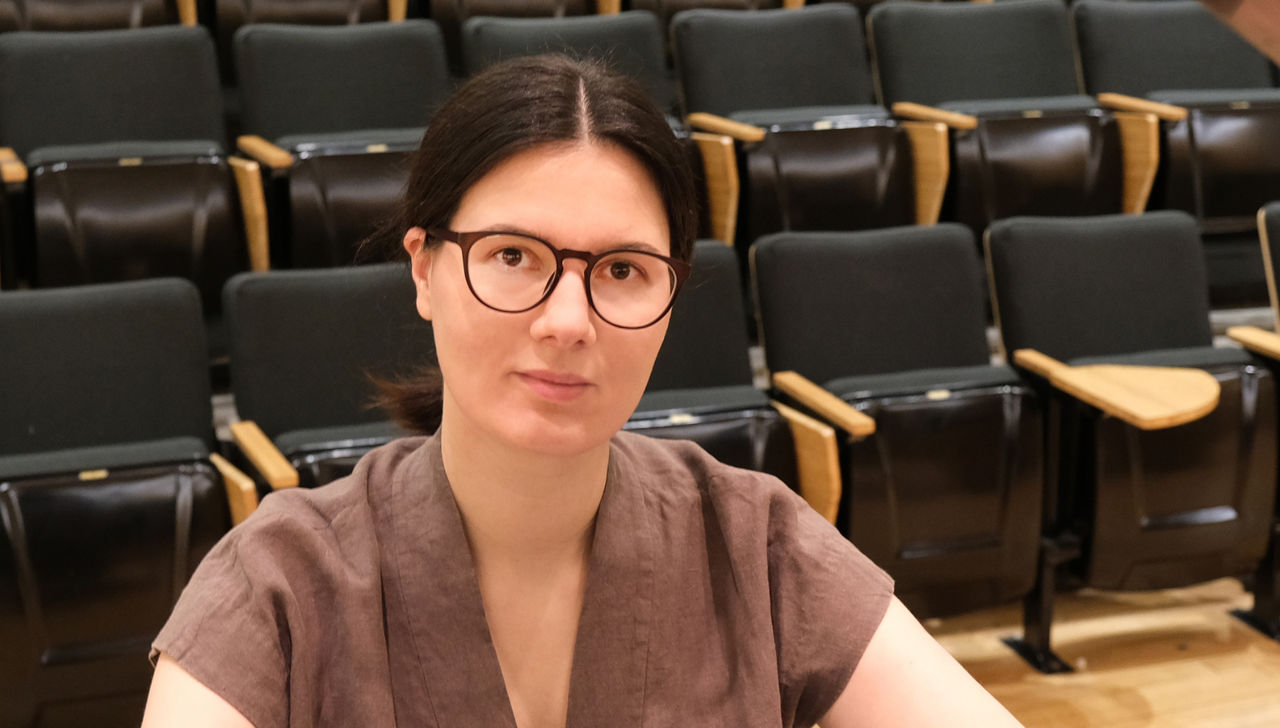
(828, 600)
(228, 629)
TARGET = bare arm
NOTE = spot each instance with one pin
(907, 680)
(178, 699)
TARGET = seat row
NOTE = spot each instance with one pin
(1041, 107)
(1117, 448)
(134, 179)
(333, 152)
(224, 17)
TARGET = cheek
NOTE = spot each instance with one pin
(637, 356)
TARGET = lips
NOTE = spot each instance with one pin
(554, 386)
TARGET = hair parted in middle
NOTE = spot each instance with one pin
(511, 107)
(526, 102)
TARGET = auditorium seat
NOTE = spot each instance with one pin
(231, 15)
(795, 75)
(1164, 472)
(1220, 115)
(110, 492)
(666, 10)
(305, 347)
(1025, 140)
(451, 14)
(96, 15)
(123, 136)
(701, 388)
(630, 43)
(883, 334)
(333, 112)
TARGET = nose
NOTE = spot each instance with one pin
(565, 318)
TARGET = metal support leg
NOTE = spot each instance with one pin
(1265, 615)
(1037, 610)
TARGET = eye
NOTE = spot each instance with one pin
(621, 270)
(511, 256)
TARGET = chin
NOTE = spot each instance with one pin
(560, 436)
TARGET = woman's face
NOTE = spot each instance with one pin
(555, 379)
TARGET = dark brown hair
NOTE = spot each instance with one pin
(509, 108)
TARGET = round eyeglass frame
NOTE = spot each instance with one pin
(466, 240)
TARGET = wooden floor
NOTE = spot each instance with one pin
(1166, 659)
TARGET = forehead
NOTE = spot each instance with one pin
(584, 195)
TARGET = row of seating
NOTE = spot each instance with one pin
(1116, 448)
(1024, 137)
(324, 191)
(224, 17)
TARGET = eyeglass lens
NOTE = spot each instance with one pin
(513, 273)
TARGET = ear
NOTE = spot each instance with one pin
(415, 244)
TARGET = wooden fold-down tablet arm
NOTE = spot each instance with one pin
(1261, 342)
(1122, 102)
(738, 130)
(12, 168)
(187, 14)
(825, 404)
(242, 495)
(1149, 398)
(720, 167)
(264, 456)
(253, 208)
(920, 112)
(817, 460)
(264, 151)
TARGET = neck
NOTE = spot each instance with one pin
(522, 508)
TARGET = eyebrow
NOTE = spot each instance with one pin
(517, 230)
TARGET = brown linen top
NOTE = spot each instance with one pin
(714, 597)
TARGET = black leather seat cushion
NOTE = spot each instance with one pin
(921, 381)
(172, 449)
(1194, 357)
(702, 400)
(352, 141)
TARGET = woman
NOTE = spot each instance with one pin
(528, 565)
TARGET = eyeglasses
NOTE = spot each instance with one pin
(513, 273)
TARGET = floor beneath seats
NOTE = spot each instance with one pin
(1172, 658)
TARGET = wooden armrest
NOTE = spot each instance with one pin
(720, 125)
(817, 461)
(242, 495)
(1140, 147)
(187, 12)
(608, 7)
(1149, 398)
(263, 454)
(830, 407)
(1259, 341)
(1122, 102)
(264, 151)
(253, 206)
(932, 162)
(720, 168)
(793, 4)
(920, 112)
(11, 168)
(397, 10)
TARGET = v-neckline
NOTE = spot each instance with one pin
(439, 588)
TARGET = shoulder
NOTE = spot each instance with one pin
(682, 468)
(312, 533)
(821, 598)
(332, 507)
(679, 472)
